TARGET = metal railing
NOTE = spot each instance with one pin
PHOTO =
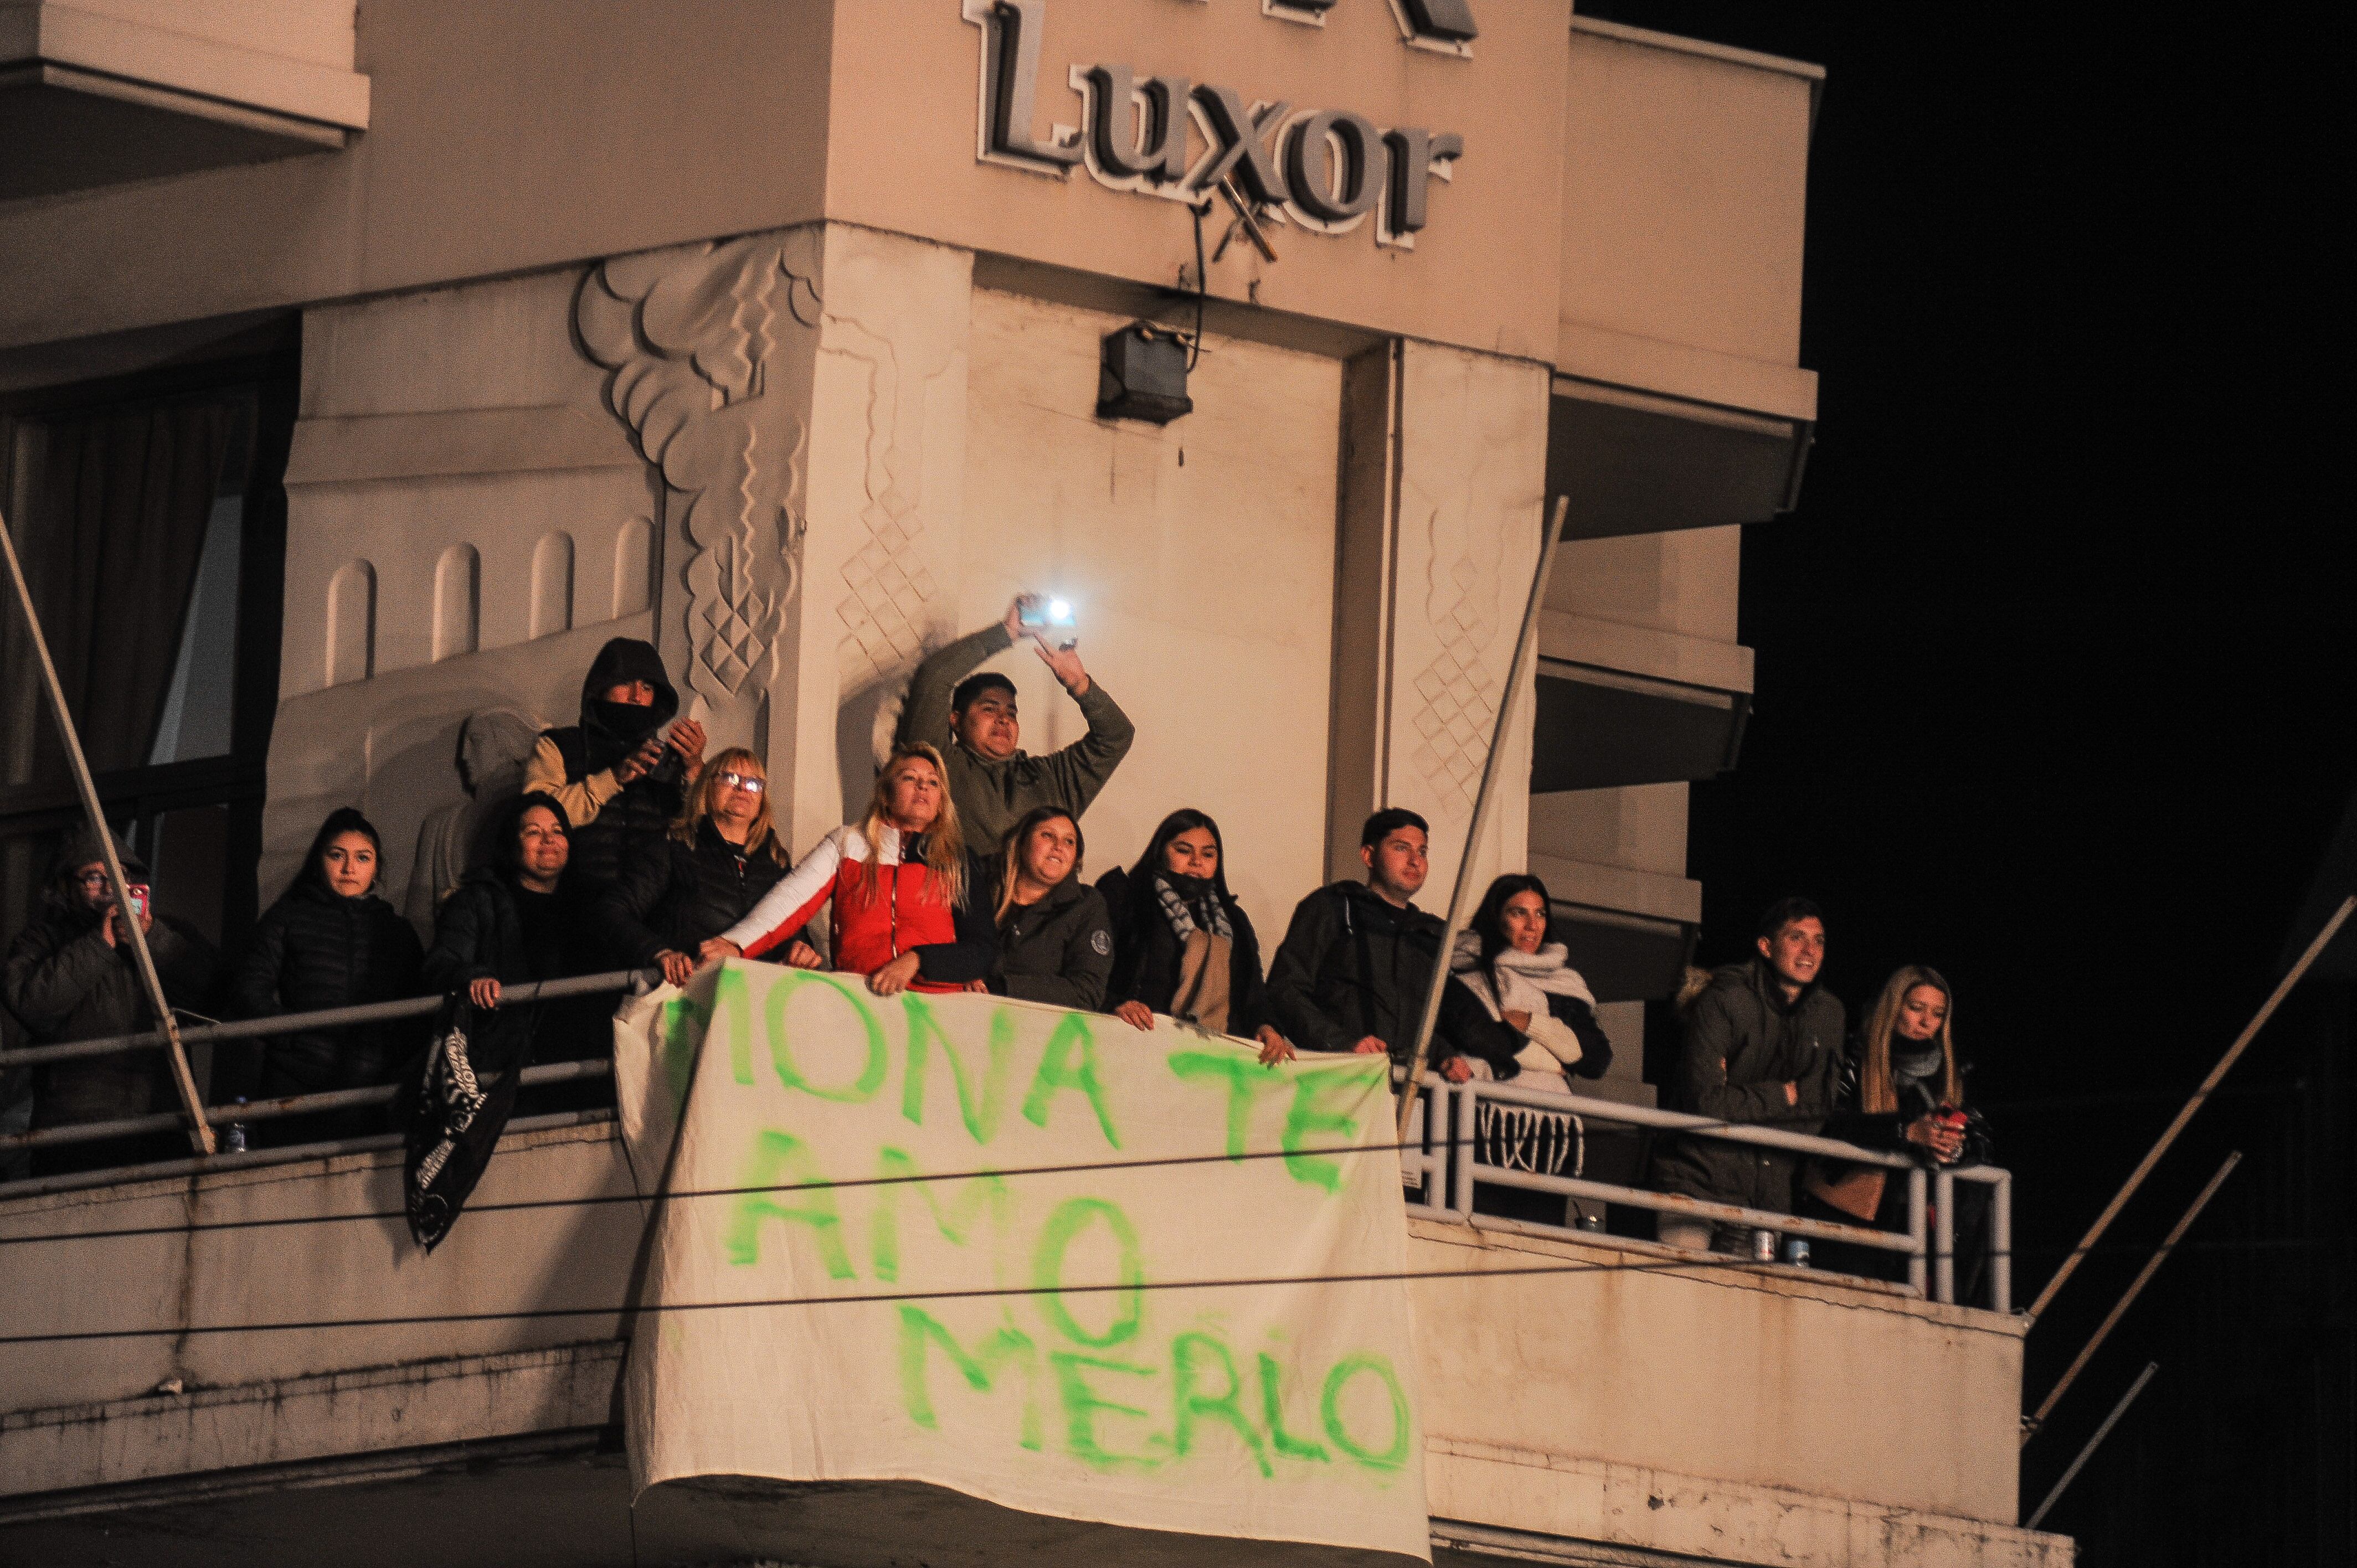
(1442, 1164)
(288, 1105)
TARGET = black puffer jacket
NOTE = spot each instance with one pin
(65, 982)
(1058, 951)
(676, 896)
(315, 949)
(1352, 964)
(1743, 1043)
(1147, 951)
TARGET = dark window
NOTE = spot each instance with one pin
(150, 516)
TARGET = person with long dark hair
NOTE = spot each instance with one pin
(679, 891)
(1055, 939)
(909, 909)
(331, 941)
(1526, 980)
(1183, 947)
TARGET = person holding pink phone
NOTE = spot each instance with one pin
(70, 976)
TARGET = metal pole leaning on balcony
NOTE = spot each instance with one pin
(2095, 1443)
(2233, 1054)
(2144, 1277)
(200, 1133)
(1523, 644)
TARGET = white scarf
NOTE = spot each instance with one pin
(1528, 979)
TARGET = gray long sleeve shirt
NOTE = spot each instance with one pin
(993, 796)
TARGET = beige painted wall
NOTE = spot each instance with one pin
(1199, 556)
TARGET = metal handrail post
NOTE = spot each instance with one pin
(1915, 1230)
(1461, 1152)
(201, 1135)
(1943, 1237)
(2000, 1244)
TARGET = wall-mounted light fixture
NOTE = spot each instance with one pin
(1143, 375)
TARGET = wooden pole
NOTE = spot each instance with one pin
(2030, 1428)
(2208, 1085)
(1523, 644)
(2095, 1443)
(200, 1132)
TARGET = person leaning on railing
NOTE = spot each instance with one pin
(1357, 962)
(1055, 940)
(328, 942)
(1183, 946)
(910, 911)
(1522, 979)
(1902, 1087)
(1762, 1048)
(70, 976)
(679, 891)
(517, 922)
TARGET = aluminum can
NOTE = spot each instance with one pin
(1796, 1252)
(1763, 1246)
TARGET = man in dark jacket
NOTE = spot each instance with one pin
(619, 777)
(71, 976)
(1356, 962)
(973, 723)
(1762, 1048)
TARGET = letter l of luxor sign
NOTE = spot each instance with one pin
(1139, 130)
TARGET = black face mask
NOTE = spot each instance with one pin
(1193, 890)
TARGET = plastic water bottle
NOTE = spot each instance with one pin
(234, 1138)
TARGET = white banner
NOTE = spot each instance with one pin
(1030, 1255)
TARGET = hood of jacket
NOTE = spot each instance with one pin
(611, 731)
(81, 848)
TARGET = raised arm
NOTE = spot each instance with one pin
(544, 774)
(925, 715)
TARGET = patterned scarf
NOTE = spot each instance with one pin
(1207, 913)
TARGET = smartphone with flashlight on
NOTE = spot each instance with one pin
(1050, 620)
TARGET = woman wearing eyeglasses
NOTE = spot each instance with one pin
(702, 876)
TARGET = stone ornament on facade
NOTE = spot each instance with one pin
(691, 335)
(1457, 716)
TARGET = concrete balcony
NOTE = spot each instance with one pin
(99, 92)
(1576, 1408)
(1622, 704)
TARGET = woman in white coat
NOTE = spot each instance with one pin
(1505, 959)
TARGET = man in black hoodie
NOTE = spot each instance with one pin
(618, 777)
(1358, 959)
(70, 976)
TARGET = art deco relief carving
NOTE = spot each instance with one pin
(695, 335)
(1457, 714)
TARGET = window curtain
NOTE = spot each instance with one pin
(109, 516)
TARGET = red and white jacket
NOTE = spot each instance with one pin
(903, 911)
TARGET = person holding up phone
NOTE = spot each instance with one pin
(971, 720)
(70, 976)
(621, 778)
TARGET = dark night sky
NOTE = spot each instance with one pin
(2054, 675)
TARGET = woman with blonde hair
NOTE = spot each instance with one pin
(909, 909)
(1902, 1087)
(678, 891)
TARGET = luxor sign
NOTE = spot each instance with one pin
(1326, 169)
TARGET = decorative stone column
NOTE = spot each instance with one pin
(803, 394)
(1444, 466)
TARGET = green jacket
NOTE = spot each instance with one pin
(993, 796)
(1742, 1045)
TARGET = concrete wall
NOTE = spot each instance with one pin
(1666, 1406)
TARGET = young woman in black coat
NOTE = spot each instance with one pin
(1182, 945)
(1055, 939)
(701, 877)
(329, 941)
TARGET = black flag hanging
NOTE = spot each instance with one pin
(462, 1102)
